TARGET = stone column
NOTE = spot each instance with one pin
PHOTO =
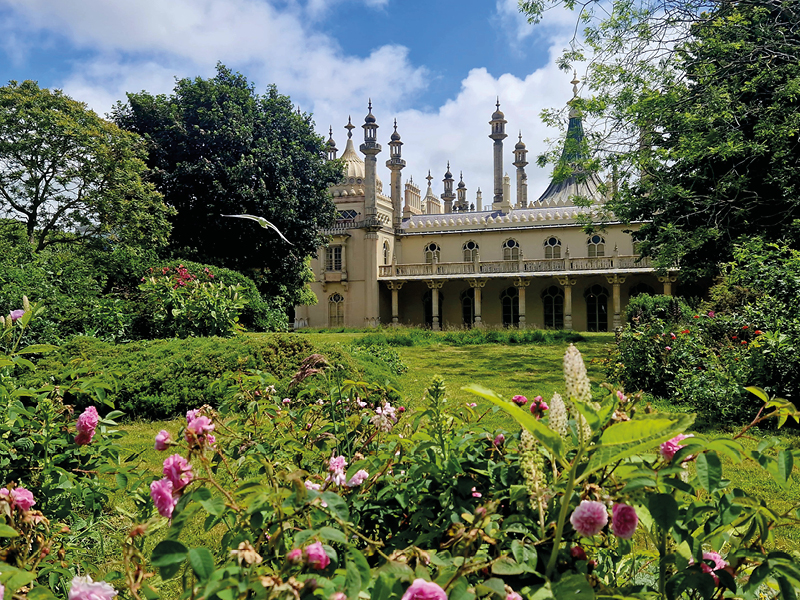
(371, 291)
(435, 286)
(521, 284)
(395, 287)
(567, 282)
(478, 285)
(668, 280)
(616, 281)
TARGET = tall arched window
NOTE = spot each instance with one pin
(596, 308)
(509, 298)
(387, 255)
(597, 246)
(468, 307)
(552, 248)
(553, 300)
(336, 310)
(432, 250)
(511, 249)
(470, 251)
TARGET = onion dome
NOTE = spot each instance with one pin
(395, 135)
(520, 145)
(370, 118)
(498, 114)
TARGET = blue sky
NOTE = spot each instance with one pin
(436, 66)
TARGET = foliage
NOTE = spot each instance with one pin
(645, 308)
(698, 103)
(69, 175)
(217, 147)
(464, 337)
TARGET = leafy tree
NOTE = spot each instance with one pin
(217, 147)
(697, 105)
(69, 175)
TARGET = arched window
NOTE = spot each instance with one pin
(596, 308)
(641, 288)
(509, 298)
(597, 246)
(427, 304)
(336, 310)
(553, 300)
(468, 307)
(432, 250)
(470, 251)
(511, 249)
(387, 255)
(552, 248)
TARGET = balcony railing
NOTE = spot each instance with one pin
(554, 265)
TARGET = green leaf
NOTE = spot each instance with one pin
(40, 593)
(664, 510)
(202, 562)
(352, 580)
(573, 587)
(625, 439)
(493, 585)
(332, 535)
(785, 465)
(37, 349)
(361, 564)
(505, 565)
(757, 391)
(709, 470)
(18, 579)
(8, 532)
(168, 552)
(214, 506)
(336, 505)
(548, 438)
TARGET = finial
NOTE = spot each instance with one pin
(448, 165)
(349, 128)
(330, 130)
(461, 175)
(520, 135)
(498, 103)
(429, 178)
(395, 125)
(370, 105)
(575, 81)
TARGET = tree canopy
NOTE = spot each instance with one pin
(217, 147)
(697, 113)
(69, 175)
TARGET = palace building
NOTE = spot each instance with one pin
(417, 259)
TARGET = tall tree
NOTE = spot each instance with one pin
(217, 147)
(700, 106)
(69, 175)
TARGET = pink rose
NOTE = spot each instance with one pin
(623, 520)
(84, 439)
(295, 556)
(360, 477)
(178, 470)
(475, 493)
(200, 425)
(163, 439)
(424, 590)
(316, 556)
(499, 440)
(86, 425)
(670, 447)
(337, 463)
(589, 518)
(719, 563)
(163, 498)
(19, 496)
(310, 485)
(83, 588)
(519, 400)
(191, 415)
(513, 596)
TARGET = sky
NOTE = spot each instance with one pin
(436, 66)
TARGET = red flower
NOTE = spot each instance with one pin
(733, 337)
(758, 332)
(685, 331)
(744, 342)
(744, 327)
(696, 317)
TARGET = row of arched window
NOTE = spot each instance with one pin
(596, 246)
(596, 298)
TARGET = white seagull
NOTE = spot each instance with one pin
(263, 222)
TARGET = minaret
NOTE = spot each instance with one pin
(331, 148)
(520, 161)
(498, 134)
(506, 192)
(448, 196)
(370, 148)
(462, 205)
(396, 164)
(479, 201)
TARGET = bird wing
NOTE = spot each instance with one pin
(263, 222)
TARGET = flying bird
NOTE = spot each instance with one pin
(263, 222)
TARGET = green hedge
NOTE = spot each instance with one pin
(158, 379)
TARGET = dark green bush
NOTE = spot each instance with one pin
(467, 337)
(645, 308)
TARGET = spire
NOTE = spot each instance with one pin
(349, 128)
(429, 178)
(331, 149)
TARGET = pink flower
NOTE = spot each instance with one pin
(295, 556)
(178, 470)
(719, 563)
(672, 336)
(316, 556)
(83, 588)
(543, 405)
(475, 493)
(668, 348)
(200, 425)
(472, 404)
(192, 415)
(84, 439)
(519, 400)
(670, 447)
(499, 440)
(589, 518)
(339, 596)
(161, 493)
(16, 314)
(286, 401)
(86, 425)
(359, 478)
(623, 520)
(712, 314)
(513, 596)
(19, 496)
(163, 439)
(310, 485)
(424, 590)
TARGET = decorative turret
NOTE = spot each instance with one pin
(498, 134)
(448, 196)
(331, 147)
(395, 164)
(370, 148)
(520, 161)
(431, 204)
(461, 204)
(413, 205)
(479, 201)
